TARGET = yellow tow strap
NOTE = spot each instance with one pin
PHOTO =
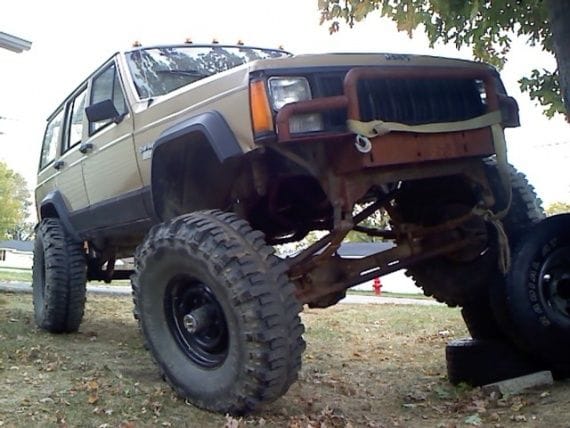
(376, 128)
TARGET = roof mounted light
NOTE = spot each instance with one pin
(188, 41)
(137, 44)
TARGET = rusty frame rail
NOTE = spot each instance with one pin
(312, 287)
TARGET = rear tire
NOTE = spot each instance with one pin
(480, 321)
(218, 312)
(536, 294)
(59, 278)
(466, 283)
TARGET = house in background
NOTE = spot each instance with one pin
(16, 254)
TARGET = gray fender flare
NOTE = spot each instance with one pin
(53, 205)
(210, 126)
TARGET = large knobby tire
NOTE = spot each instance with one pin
(218, 312)
(465, 283)
(480, 362)
(536, 294)
(59, 278)
(481, 321)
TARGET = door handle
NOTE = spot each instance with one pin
(86, 148)
(58, 164)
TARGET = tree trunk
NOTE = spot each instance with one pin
(559, 12)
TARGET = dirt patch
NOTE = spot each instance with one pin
(376, 366)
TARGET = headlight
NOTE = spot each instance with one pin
(285, 90)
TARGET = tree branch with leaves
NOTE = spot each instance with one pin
(487, 26)
(14, 204)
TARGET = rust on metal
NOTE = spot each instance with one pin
(394, 148)
(318, 271)
(357, 271)
(404, 148)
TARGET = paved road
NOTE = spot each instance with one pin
(119, 290)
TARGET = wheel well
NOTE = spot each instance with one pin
(188, 176)
(48, 211)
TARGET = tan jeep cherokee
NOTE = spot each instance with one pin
(196, 159)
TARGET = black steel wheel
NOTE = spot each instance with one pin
(217, 312)
(197, 321)
(59, 276)
(536, 295)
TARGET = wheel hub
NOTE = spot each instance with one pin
(197, 322)
(554, 284)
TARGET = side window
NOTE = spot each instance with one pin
(51, 139)
(76, 114)
(106, 86)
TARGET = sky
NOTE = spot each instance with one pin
(69, 41)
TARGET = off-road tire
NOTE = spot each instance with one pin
(466, 283)
(480, 362)
(238, 272)
(536, 294)
(480, 321)
(58, 279)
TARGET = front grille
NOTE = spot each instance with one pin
(409, 101)
(419, 101)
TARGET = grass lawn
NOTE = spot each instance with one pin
(17, 275)
(365, 365)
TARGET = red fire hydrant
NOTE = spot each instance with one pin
(377, 285)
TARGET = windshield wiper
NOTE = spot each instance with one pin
(193, 73)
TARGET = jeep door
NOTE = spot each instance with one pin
(69, 179)
(50, 148)
(110, 169)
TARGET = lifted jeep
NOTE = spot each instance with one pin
(196, 159)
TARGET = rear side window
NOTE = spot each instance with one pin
(106, 86)
(51, 139)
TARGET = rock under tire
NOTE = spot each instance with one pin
(219, 258)
(58, 279)
(480, 362)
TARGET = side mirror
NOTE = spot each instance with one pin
(103, 110)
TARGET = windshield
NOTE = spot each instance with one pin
(158, 71)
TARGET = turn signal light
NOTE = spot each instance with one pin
(261, 116)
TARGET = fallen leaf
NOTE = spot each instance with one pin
(518, 418)
(474, 420)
